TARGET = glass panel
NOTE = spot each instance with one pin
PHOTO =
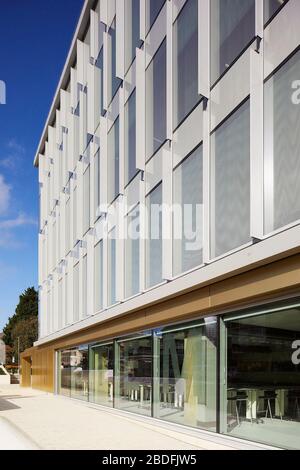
(64, 373)
(231, 183)
(67, 227)
(187, 375)
(185, 62)
(86, 200)
(282, 146)
(99, 64)
(130, 138)
(132, 30)
(153, 8)
(232, 29)
(98, 277)
(84, 286)
(156, 102)
(270, 8)
(113, 161)
(134, 383)
(132, 254)
(112, 268)
(263, 378)
(101, 374)
(75, 217)
(80, 373)
(154, 238)
(188, 213)
(76, 292)
(97, 186)
(114, 82)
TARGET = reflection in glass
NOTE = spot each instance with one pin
(270, 8)
(64, 373)
(154, 237)
(230, 173)
(185, 85)
(132, 30)
(80, 373)
(187, 375)
(113, 162)
(188, 224)
(282, 146)
(130, 138)
(114, 82)
(101, 374)
(156, 102)
(232, 29)
(134, 375)
(263, 378)
(153, 8)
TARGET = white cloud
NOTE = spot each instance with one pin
(19, 221)
(5, 191)
(14, 155)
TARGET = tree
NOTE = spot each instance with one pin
(24, 323)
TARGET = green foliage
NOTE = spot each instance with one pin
(24, 323)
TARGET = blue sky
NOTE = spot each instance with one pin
(35, 36)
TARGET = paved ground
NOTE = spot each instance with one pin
(30, 419)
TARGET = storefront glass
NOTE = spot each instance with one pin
(101, 374)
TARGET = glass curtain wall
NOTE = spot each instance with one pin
(80, 373)
(271, 7)
(133, 375)
(154, 237)
(232, 29)
(153, 8)
(101, 374)
(186, 374)
(132, 253)
(261, 396)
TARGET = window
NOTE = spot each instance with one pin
(66, 299)
(231, 182)
(97, 189)
(114, 82)
(232, 29)
(185, 85)
(156, 102)
(113, 162)
(154, 237)
(112, 268)
(153, 8)
(132, 253)
(187, 379)
(101, 374)
(188, 213)
(262, 376)
(271, 7)
(86, 200)
(80, 373)
(130, 138)
(282, 146)
(134, 375)
(75, 237)
(76, 293)
(67, 226)
(132, 30)
(60, 305)
(84, 286)
(100, 66)
(98, 277)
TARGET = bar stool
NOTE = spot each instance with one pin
(239, 399)
(268, 397)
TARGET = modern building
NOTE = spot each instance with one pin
(169, 244)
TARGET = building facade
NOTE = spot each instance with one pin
(169, 245)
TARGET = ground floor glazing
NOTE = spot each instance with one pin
(238, 374)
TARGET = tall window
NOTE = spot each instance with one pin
(132, 30)
(75, 237)
(100, 65)
(98, 277)
(84, 286)
(114, 82)
(67, 226)
(271, 7)
(132, 253)
(112, 268)
(153, 8)
(156, 102)
(232, 29)
(230, 180)
(101, 374)
(185, 62)
(86, 200)
(282, 146)
(60, 304)
(154, 237)
(66, 320)
(76, 292)
(130, 137)
(97, 191)
(113, 162)
(188, 213)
